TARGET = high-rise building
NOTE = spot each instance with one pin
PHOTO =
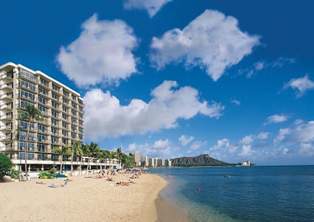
(62, 109)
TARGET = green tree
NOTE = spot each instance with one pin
(5, 165)
(127, 160)
(85, 150)
(62, 151)
(76, 151)
(94, 150)
(30, 115)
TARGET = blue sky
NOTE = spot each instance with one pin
(181, 77)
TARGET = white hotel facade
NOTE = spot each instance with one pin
(62, 125)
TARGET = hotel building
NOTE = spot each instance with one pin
(62, 123)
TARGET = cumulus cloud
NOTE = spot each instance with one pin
(212, 41)
(276, 118)
(106, 117)
(161, 144)
(197, 144)
(300, 136)
(300, 85)
(151, 6)
(102, 53)
(262, 135)
(185, 140)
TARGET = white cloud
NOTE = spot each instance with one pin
(197, 144)
(262, 135)
(236, 102)
(161, 144)
(300, 136)
(259, 66)
(151, 6)
(185, 140)
(276, 118)
(246, 146)
(102, 53)
(282, 134)
(300, 85)
(212, 41)
(106, 117)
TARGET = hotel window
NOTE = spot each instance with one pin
(66, 101)
(54, 104)
(54, 113)
(23, 125)
(65, 141)
(64, 116)
(65, 94)
(22, 136)
(55, 88)
(64, 133)
(54, 122)
(54, 139)
(41, 128)
(44, 82)
(42, 151)
(64, 124)
(41, 137)
(54, 95)
(27, 75)
(42, 90)
(24, 104)
(22, 146)
(42, 109)
(42, 99)
(54, 130)
(27, 85)
(27, 95)
(64, 108)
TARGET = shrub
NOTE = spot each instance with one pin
(46, 175)
(5, 165)
(14, 174)
(53, 170)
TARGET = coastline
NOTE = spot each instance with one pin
(83, 199)
(167, 210)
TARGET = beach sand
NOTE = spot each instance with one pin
(83, 199)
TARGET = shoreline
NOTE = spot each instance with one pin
(167, 210)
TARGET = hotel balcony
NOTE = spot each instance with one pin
(6, 97)
(7, 137)
(6, 87)
(5, 128)
(6, 76)
(6, 107)
(6, 117)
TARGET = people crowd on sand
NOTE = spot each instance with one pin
(111, 175)
(108, 175)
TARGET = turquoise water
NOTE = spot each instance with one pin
(257, 194)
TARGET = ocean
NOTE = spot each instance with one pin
(256, 194)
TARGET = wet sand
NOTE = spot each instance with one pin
(169, 212)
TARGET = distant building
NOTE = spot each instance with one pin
(246, 163)
(137, 159)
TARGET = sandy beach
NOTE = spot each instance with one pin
(82, 199)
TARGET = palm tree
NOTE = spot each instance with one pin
(119, 154)
(94, 150)
(76, 150)
(30, 115)
(63, 151)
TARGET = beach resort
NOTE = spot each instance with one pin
(53, 175)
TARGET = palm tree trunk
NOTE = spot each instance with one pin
(26, 149)
(72, 156)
